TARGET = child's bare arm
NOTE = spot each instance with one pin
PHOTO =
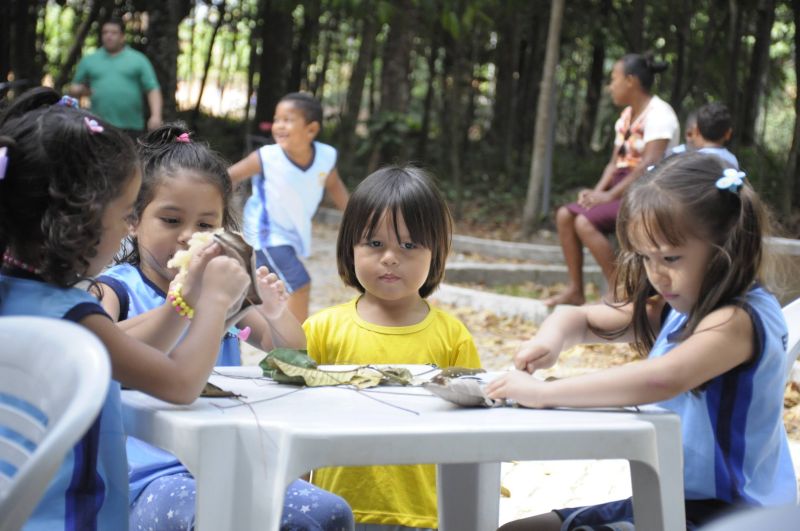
(722, 341)
(567, 327)
(336, 189)
(161, 327)
(272, 324)
(179, 377)
(245, 168)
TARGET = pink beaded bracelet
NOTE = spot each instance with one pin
(180, 305)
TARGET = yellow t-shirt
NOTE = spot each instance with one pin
(389, 495)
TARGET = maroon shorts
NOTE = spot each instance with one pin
(603, 217)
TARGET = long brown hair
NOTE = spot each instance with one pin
(677, 200)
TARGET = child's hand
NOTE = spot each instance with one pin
(272, 292)
(518, 386)
(225, 279)
(533, 355)
(192, 281)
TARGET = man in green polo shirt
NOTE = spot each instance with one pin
(116, 76)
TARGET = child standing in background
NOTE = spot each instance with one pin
(68, 185)
(392, 246)
(691, 239)
(186, 189)
(289, 179)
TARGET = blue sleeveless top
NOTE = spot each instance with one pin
(734, 442)
(137, 295)
(90, 488)
(285, 197)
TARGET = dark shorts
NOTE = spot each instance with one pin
(698, 512)
(283, 261)
(603, 217)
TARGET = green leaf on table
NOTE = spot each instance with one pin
(288, 356)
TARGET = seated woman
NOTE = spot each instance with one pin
(645, 130)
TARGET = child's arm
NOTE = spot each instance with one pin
(272, 324)
(180, 376)
(245, 168)
(336, 189)
(161, 327)
(570, 326)
(722, 341)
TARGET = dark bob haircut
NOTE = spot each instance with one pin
(409, 192)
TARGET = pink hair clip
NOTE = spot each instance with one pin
(93, 126)
(183, 137)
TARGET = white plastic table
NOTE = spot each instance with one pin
(243, 456)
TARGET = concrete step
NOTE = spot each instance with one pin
(492, 274)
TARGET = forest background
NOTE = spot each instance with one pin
(453, 85)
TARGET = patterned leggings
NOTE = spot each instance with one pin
(167, 504)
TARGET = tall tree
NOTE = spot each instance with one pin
(594, 83)
(276, 27)
(759, 61)
(221, 13)
(25, 60)
(355, 90)
(544, 107)
(792, 177)
(301, 52)
(162, 47)
(504, 119)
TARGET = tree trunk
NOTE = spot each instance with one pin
(528, 87)
(74, 53)
(207, 66)
(6, 14)
(758, 71)
(792, 179)
(734, 47)
(301, 55)
(24, 56)
(427, 105)
(637, 26)
(544, 107)
(396, 64)
(276, 31)
(594, 86)
(507, 59)
(683, 15)
(355, 91)
(162, 47)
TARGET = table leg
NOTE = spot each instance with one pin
(658, 487)
(469, 496)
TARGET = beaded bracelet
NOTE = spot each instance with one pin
(180, 305)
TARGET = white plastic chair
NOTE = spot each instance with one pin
(791, 313)
(54, 376)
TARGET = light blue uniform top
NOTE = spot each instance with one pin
(285, 198)
(734, 442)
(722, 152)
(90, 488)
(138, 295)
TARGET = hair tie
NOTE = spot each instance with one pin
(731, 180)
(68, 101)
(183, 137)
(92, 125)
(3, 162)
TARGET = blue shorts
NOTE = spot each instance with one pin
(602, 517)
(283, 261)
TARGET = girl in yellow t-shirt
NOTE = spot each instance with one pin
(392, 246)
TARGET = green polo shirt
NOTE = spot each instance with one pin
(118, 83)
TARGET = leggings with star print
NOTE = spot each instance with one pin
(167, 504)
